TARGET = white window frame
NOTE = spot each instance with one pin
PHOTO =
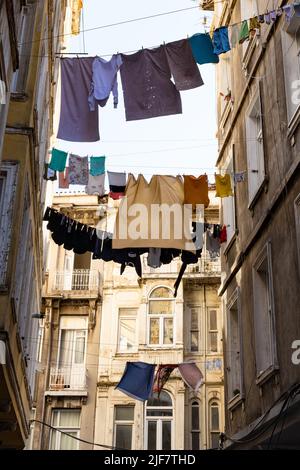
(127, 316)
(290, 39)
(234, 301)
(209, 331)
(255, 148)
(63, 428)
(74, 319)
(124, 423)
(192, 430)
(193, 330)
(7, 205)
(228, 203)
(159, 420)
(297, 219)
(263, 257)
(161, 318)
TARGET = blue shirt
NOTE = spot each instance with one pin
(203, 49)
(104, 81)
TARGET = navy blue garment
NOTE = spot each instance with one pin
(203, 49)
(137, 380)
(221, 40)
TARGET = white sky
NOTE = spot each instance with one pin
(180, 144)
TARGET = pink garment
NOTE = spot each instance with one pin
(191, 375)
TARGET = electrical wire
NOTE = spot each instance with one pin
(74, 437)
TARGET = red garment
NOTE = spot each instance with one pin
(223, 234)
(116, 196)
(63, 180)
(162, 376)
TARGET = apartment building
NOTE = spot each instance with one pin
(30, 37)
(258, 132)
(96, 320)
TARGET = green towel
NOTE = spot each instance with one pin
(97, 166)
(244, 32)
(58, 160)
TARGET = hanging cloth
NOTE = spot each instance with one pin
(97, 166)
(77, 123)
(221, 40)
(78, 169)
(196, 190)
(234, 35)
(153, 260)
(203, 49)
(288, 10)
(77, 6)
(96, 185)
(182, 64)
(63, 179)
(223, 185)
(104, 81)
(162, 376)
(244, 32)
(58, 160)
(49, 175)
(191, 375)
(254, 24)
(117, 184)
(147, 86)
(137, 380)
(149, 227)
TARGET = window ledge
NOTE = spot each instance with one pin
(255, 198)
(19, 97)
(126, 353)
(266, 375)
(68, 393)
(235, 402)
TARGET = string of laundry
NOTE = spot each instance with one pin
(127, 251)
(90, 172)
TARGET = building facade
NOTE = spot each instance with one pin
(30, 37)
(107, 319)
(259, 134)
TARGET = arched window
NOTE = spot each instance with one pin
(159, 422)
(161, 313)
(214, 423)
(195, 425)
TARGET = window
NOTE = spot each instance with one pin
(72, 352)
(195, 329)
(264, 315)
(297, 217)
(255, 147)
(213, 333)
(228, 203)
(161, 313)
(124, 420)
(67, 421)
(195, 428)
(127, 330)
(214, 422)
(233, 348)
(25, 34)
(159, 420)
(290, 36)
(8, 180)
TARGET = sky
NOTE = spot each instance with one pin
(178, 144)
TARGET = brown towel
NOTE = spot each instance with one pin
(196, 190)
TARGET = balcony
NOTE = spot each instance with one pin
(205, 267)
(68, 380)
(78, 280)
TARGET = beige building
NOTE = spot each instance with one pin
(258, 130)
(107, 319)
(30, 36)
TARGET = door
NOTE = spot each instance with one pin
(159, 434)
(72, 358)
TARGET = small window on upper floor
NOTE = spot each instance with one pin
(127, 341)
(255, 148)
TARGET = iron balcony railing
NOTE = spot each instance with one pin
(78, 279)
(67, 378)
